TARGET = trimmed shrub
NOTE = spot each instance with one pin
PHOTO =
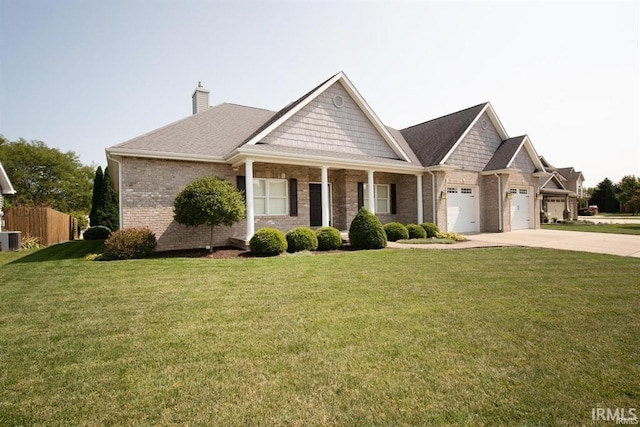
(329, 238)
(98, 232)
(268, 242)
(430, 228)
(416, 232)
(366, 231)
(301, 239)
(129, 243)
(395, 231)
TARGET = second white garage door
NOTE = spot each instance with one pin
(520, 212)
(462, 212)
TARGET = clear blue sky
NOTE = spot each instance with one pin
(84, 75)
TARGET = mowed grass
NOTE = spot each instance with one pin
(502, 336)
(596, 228)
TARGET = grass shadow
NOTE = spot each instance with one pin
(69, 250)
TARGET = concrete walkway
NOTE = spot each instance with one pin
(612, 244)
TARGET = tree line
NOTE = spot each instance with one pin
(47, 177)
(611, 197)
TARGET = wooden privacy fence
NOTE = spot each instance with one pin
(48, 225)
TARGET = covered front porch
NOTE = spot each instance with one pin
(284, 196)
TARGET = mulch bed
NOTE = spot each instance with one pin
(226, 252)
(222, 252)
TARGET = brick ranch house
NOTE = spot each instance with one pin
(319, 159)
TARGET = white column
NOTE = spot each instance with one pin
(248, 191)
(325, 196)
(419, 186)
(371, 195)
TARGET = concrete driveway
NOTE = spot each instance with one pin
(602, 243)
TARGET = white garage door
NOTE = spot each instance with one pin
(555, 208)
(462, 216)
(520, 212)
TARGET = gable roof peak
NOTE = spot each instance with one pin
(292, 108)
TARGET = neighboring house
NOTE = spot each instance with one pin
(561, 191)
(5, 188)
(319, 159)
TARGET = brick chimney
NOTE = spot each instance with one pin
(200, 99)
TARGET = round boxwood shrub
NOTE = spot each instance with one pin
(98, 232)
(416, 232)
(129, 243)
(395, 231)
(366, 231)
(268, 242)
(301, 239)
(431, 229)
(329, 238)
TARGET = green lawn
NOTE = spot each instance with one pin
(596, 228)
(501, 336)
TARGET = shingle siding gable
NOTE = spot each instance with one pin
(523, 162)
(477, 147)
(320, 125)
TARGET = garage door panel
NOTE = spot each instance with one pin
(461, 209)
(520, 209)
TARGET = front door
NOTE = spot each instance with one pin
(315, 205)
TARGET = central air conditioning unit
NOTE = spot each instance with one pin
(10, 240)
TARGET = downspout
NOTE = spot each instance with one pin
(119, 188)
(433, 197)
(499, 201)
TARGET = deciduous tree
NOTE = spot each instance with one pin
(209, 200)
(44, 176)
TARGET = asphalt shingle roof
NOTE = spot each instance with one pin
(284, 111)
(214, 132)
(504, 154)
(569, 173)
(432, 140)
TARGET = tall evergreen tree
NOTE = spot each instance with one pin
(604, 196)
(97, 199)
(626, 190)
(110, 208)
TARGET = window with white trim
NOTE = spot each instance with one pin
(270, 196)
(382, 195)
(452, 190)
(523, 191)
(513, 191)
(466, 191)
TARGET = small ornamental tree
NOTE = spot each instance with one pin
(209, 200)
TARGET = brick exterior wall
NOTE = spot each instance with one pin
(150, 186)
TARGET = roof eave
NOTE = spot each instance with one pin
(243, 153)
(165, 155)
(502, 171)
